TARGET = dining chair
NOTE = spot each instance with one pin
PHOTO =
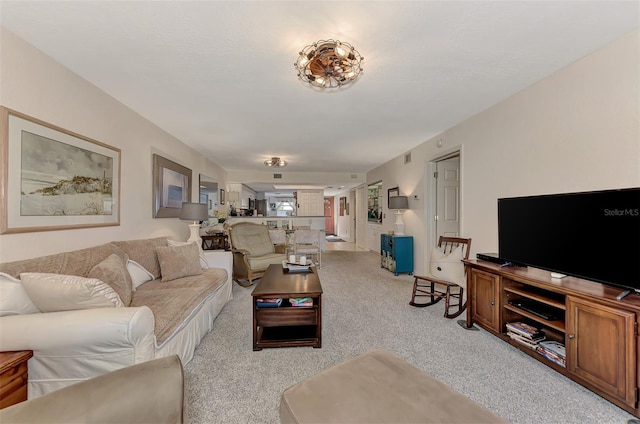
(308, 242)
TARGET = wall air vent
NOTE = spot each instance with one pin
(407, 158)
(354, 176)
(277, 176)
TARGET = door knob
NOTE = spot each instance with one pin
(571, 336)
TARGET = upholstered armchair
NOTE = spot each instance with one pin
(253, 251)
(280, 240)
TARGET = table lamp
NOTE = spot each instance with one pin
(399, 203)
(194, 212)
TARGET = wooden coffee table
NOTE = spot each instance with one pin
(287, 326)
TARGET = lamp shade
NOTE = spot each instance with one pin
(399, 202)
(194, 211)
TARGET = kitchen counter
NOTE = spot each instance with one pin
(315, 222)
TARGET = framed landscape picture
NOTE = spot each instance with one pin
(171, 187)
(54, 179)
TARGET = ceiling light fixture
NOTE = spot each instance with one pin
(329, 64)
(276, 162)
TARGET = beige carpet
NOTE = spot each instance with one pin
(366, 307)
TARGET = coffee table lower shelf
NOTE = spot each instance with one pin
(289, 336)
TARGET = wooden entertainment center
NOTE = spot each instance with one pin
(600, 333)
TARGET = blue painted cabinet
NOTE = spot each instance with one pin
(396, 253)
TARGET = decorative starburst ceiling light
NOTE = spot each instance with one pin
(275, 162)
(329, 64)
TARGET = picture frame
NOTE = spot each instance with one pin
(222, 196)
(392, 192)
(343, 205)
(171, 187)
(55, 179)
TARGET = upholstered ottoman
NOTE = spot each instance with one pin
(378, 387)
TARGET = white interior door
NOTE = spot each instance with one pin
(448, 198)
(353, 201)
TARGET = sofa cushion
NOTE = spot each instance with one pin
(138, 274)
(179, 261)
(172, 304)
(144, 252)
(112, 271)
(77, 262)
(203, 260)
(14, 299)
(263, 262)
(57, 292)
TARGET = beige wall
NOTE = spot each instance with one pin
(576, 130)
(36, 85)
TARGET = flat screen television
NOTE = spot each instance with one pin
(591, 235)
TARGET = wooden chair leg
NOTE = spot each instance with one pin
(413, 293)
(447, 301)
(461, 307)
(416, 289)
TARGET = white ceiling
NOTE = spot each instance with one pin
(219, 75)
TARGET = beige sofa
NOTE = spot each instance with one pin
(65, 310)
(151, 392)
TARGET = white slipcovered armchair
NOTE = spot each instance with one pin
(308, 242)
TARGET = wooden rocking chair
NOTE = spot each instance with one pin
(436, 289)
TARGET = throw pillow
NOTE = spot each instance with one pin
(203, 260)
(178, 261)
(57, 292)
(448, 267)
(14, 299)
(113, 272)
(139, 275)
(144, 252)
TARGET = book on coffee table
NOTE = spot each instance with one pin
(268, 303)
(301, 301)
